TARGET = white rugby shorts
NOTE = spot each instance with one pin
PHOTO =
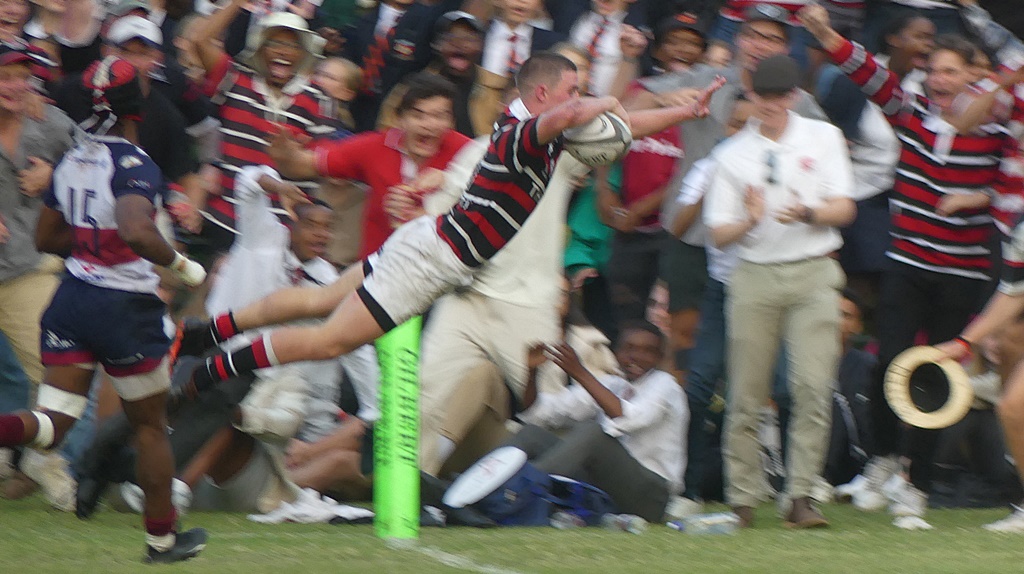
(409, 272)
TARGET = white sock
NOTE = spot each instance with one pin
(160, 543)
(445, 448)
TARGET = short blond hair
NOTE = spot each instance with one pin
(352, 74)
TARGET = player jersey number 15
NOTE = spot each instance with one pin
(86, 231)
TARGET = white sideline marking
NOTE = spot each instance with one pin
(456, 561)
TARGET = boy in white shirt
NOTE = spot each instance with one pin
(629, 433)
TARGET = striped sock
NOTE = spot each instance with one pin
(160, 531)
(223, 327)
(258, 355)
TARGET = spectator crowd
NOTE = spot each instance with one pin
(709, 318)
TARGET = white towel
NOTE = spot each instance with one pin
(311, 507)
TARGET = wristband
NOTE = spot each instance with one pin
(964, 343)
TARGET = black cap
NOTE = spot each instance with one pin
(767, 13)
(776, 75)
(682, 21)
(445, 22)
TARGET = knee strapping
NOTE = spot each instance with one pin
(60, 401)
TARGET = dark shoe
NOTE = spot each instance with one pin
(467, 516)
(745, 514)
(431, 517)
(432, 489)
(194, 338)
(186, 545)
(804, 515)
(87, 496)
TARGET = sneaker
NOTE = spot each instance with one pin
(911, 523)
(50, 471)
(879, 469)
(844, 493)
(181, 496)
(680, 507)
(1014, 523)
(909, 501)
(186, 545)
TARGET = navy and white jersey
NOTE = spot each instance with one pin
(85, 188)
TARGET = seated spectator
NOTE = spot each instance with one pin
(478, 101)
(627, 431)
(850, 410)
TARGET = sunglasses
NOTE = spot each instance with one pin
(772, 164)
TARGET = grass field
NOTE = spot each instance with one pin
(36, 540)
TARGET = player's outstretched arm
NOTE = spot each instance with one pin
(135, 226)
(649, 122)
(574, 113)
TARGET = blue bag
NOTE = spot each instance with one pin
(584, 500)
(521, 501)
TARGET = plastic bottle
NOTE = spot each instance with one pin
(716, 523)
(627, 522)
(563, 520)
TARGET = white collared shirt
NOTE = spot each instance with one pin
(387, 19)
(652, 427)
(811, 164)
(609, 52)
(498, 46)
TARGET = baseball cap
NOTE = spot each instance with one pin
(126, 6)
(448, 19)
(135, 28)
(776, 75)
(682, 21)
(767, 13)
(14, 54)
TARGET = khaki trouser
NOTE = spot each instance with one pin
(22, 302)
(767, 304)
(465, 331)
(475, 418)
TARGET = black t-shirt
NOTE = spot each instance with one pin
(171, 81)
(161, 133)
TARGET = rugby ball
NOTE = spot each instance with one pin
(602, 141)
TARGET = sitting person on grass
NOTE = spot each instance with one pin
(628, 433)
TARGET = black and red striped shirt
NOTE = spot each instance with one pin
(934, 161)
(508, 184)
(248, 117)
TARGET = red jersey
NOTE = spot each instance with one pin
(376, 159)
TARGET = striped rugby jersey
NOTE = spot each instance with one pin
(509, 182)
(934, 161)
(249, 115)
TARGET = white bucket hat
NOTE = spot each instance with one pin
(312, 43)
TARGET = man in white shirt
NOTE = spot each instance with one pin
(598, 32)
(628, 437)
(782, 187)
